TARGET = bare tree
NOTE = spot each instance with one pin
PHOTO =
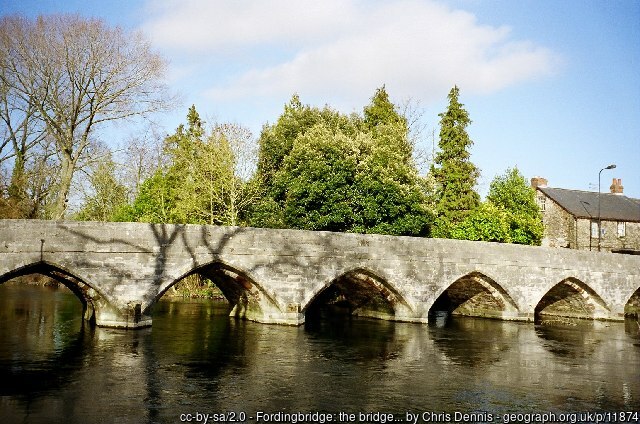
(237, 191)
(22, 129)
(79, 73)
(140, 158)
(422, 139)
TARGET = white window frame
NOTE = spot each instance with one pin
(622, 228)
(542, 203)
(594, 229)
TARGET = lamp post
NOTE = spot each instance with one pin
(583, 203)
(599, 219)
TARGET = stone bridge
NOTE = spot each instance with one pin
(120, 270)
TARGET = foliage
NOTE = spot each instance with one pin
(109, 195)
(316, 181)
(485, 223)
(276, 141)
(63, 76)
(382, 111)
(154, 203)
(509, 215)
(202, 182)
(455, 175)
(36, 185)
(196, 286)
(511, 193)
(341, 173)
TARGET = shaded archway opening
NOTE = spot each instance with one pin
(52, 277)
(473, 295)
(356, 293)
(570, 299)
(234, 292)
(632, 307)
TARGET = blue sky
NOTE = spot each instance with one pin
(553, 87)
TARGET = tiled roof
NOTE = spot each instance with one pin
(584, 204)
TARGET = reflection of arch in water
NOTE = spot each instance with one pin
(475, 294)
(571, 298)
(360, 292)
(29, 375)
(471, 342)
(248, 299)
(88, 295)
(570, 339)
(632, 306)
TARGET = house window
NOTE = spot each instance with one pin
(542, 203)
(594, 229)
(622, 229)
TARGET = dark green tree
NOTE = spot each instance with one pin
(317, 179)
(341, 174)
(276, 141)
(454, 174)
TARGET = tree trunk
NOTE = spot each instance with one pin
(62, 198)
(17, 186)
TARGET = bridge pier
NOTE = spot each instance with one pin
(267, 314)
(106, 315)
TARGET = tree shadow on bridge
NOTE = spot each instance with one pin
(207, 247)
(165, 239)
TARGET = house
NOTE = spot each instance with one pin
(571, 218)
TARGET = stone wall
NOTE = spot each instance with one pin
(611, 241)
(559, 225)
(120, 270)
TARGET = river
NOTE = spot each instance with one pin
(196, 361)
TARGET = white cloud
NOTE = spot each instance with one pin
(343, 49)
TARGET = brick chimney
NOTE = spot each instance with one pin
(616, 186)
(538, 182)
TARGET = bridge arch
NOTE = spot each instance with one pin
(475, 294)
(632, 306)
(360, 292)
(87, 294)
(571, 298)
(248, 299)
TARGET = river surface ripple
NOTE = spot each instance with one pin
(197, 360)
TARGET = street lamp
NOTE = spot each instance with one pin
(584, 205)
(599, 219)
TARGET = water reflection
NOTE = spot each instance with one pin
(195, 358)
(574, 338)
(43, 343)
(471, 341)
(632, 329)
(356, 339)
